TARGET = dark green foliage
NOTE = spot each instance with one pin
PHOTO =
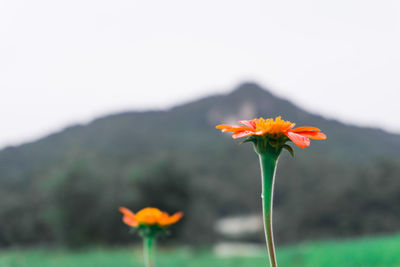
(67, 187)
(74, 205)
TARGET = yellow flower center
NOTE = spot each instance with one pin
(149, 216)
(271, 126)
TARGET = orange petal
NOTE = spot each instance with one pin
(242, 134)
(298, 139)
(313, 135)
(127, 212)
(305, 129)
(129, 217)
(129, 221)
(164, 219)
(176, 217)
(168, 220)
(236, 129)
(225, 126)
(249, 123)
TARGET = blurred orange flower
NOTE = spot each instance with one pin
(149, 216)
(274, 128)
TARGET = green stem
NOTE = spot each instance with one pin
(268, 168)
(148, 250)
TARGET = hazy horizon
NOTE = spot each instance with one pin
(166, 108)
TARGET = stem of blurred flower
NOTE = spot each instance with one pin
(148, 247)
(268, 167)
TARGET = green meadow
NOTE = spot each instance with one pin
(365, 252)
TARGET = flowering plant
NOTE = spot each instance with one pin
(150, 222)
(269, 137)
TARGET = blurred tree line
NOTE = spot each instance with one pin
(321, 198)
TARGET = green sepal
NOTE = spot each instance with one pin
(249, 139)
(150, 230)
(289, 149)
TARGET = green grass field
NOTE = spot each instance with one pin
(380, 251)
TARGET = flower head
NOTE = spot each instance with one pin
(274, 129)
(149, 217)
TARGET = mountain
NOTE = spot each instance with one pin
(57, 188)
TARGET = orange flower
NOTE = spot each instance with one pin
(149, 216)
(274, 128)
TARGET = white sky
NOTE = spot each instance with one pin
(64, 62)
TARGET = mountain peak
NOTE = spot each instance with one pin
(250, 88)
